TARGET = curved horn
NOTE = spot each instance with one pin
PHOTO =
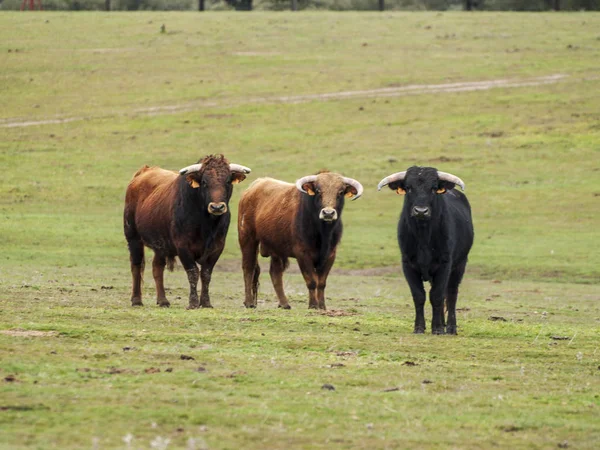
(190, 169)
(399, 176)
(451, 178)
(239, 168)
(301, 181)
(356, 185)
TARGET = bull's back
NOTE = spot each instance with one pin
(267, 210)
(149, 202)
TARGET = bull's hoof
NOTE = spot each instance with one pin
(163, 303)
(438, 331)
(284, 306)
(136, 301)
(249, 306)
(208, 305)
(419, 330)
(193, 306)
(313, 307)
(451, 330)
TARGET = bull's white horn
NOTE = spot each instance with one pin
(451, 178)
(356, 185)
(398, 176)
(190, 169)
(302, 181)
(239, 168)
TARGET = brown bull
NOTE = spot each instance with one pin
(183, 215)
(302, 221)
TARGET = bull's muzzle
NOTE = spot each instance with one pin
(217, 209)
(328, 214)
(421, 212)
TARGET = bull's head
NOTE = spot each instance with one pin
(214, 178)
(329, 191)
(421, 185)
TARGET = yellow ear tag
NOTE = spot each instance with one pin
(441, 191)
(348, 194)
(400, 191)
(309, 191)
(193, 183)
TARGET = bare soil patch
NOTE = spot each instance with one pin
(29, 333)
(396, 91)
(336, 313)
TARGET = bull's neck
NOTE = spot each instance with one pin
(191, 213)
(321, 236)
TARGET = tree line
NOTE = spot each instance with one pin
(340, 5)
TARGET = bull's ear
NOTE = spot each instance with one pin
(350, 191)
(444, 186)
(192, 181)
(237, 177)
(309, 188)
(397, 186)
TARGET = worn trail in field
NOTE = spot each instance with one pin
(413, 89)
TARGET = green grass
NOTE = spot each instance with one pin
(529, 156)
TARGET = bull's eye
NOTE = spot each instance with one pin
(409, 190)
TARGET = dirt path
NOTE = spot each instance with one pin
(401, 91)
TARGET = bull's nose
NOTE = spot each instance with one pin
(421, 211)
(328, 214)
(217, 208)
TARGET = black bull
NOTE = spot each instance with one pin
(435, 234)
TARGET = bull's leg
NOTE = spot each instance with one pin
(322, 281)
(136, 256)
(205, 276)
(158, 269)
(452, 296)
(439, 285)
(310, 278)
(415, 283)
(251, 271)
(191, 268)
(276, 271)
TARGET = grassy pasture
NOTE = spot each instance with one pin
(96, 376)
